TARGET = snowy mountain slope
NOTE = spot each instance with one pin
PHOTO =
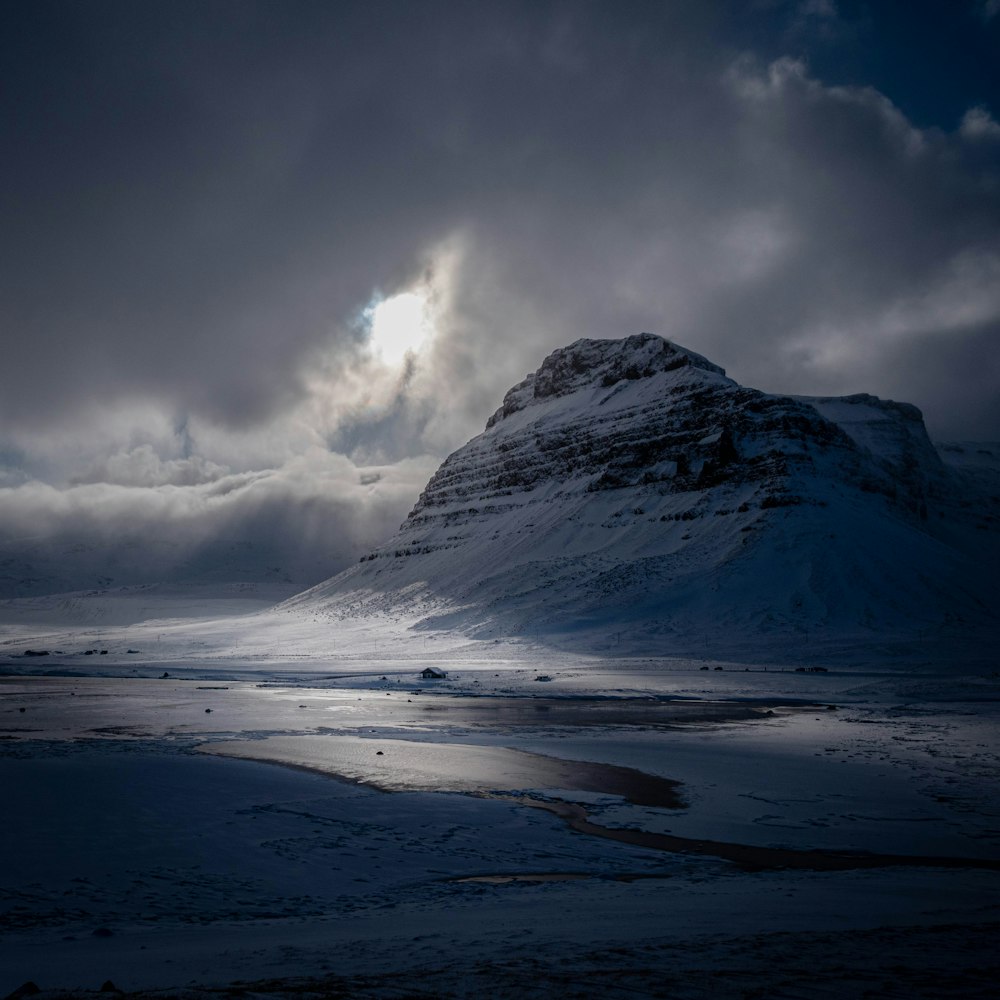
(975, 467)
(630, 487)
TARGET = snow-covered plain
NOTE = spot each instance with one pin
(133, 855)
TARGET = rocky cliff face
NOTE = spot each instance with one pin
(629, 485)
(641, 412)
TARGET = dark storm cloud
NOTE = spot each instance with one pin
(201, 198)
(196, 196)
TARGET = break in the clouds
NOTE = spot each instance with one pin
(208, 206)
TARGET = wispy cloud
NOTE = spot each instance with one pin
(978, 123)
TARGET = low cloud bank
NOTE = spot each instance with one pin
(296, 524)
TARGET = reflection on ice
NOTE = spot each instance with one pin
(405, 765)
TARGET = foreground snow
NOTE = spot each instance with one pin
(140, 860)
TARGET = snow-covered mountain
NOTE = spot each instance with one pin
(629, 488)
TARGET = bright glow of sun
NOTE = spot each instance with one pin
(400, 325)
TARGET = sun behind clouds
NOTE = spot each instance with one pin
(400, 325)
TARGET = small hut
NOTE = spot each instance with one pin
(433, 674)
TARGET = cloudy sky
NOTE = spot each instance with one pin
(223, 222)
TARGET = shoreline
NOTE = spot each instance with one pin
(638, 788)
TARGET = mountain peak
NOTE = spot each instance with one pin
(587, 364)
